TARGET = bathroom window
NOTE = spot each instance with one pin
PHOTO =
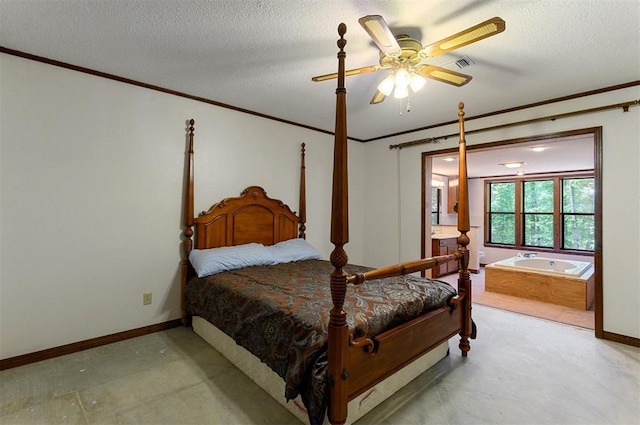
(548, 212)
(501, 213)
(537, 213)
(578, 218)
(435, 205)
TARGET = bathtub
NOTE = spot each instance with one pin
(546, 265)
(561, 282)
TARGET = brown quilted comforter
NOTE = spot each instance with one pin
(280, 314)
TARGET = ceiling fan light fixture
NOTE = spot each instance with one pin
(386, 86)
(404, 55)
(416, 82)
(403, 79)
(401, 92)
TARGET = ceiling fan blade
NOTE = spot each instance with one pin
(443, 75)
(356, 71)
(380, 33)
(377, 98)
(485, 29)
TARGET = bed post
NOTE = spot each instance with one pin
(187, 242)
(464, 281)
(338, 331)
(303, 197)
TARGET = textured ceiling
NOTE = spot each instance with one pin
(261, 55)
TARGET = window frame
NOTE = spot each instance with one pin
(435, 208)
(558, 213)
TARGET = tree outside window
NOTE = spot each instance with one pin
(554, 213)
(538, 213)
(501, 215)
(435, 205)
(578, 198)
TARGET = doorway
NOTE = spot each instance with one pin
(584, 146)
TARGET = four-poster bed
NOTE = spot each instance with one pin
(336, 333)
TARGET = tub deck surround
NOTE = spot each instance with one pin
(563, 282)
(546, 265)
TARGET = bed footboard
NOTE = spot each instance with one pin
(373, 359)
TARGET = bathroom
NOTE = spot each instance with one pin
(443, 225)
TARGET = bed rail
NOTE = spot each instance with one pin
(403, 268)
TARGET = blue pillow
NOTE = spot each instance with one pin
(215, 260)
(293, 250)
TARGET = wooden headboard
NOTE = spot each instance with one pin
(250, 217)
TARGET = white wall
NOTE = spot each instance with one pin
(91, 197)
(621, 191)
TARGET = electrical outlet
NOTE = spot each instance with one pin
(146, 298)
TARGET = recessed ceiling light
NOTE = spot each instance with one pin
(538, 148)
(515, 164)
(448, 159)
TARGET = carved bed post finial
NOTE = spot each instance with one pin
(338, 339)
(187, 243)
(464, 281)
(303, 196)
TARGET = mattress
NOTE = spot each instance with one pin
(280, 313)
(269, 381)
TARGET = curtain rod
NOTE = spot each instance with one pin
(625, 108)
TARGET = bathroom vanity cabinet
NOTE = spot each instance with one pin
(444, 245)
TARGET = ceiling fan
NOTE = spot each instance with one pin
(405, 57)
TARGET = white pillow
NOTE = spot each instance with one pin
(293, 250)
(215, 260)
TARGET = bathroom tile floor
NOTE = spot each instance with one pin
(557, 313)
